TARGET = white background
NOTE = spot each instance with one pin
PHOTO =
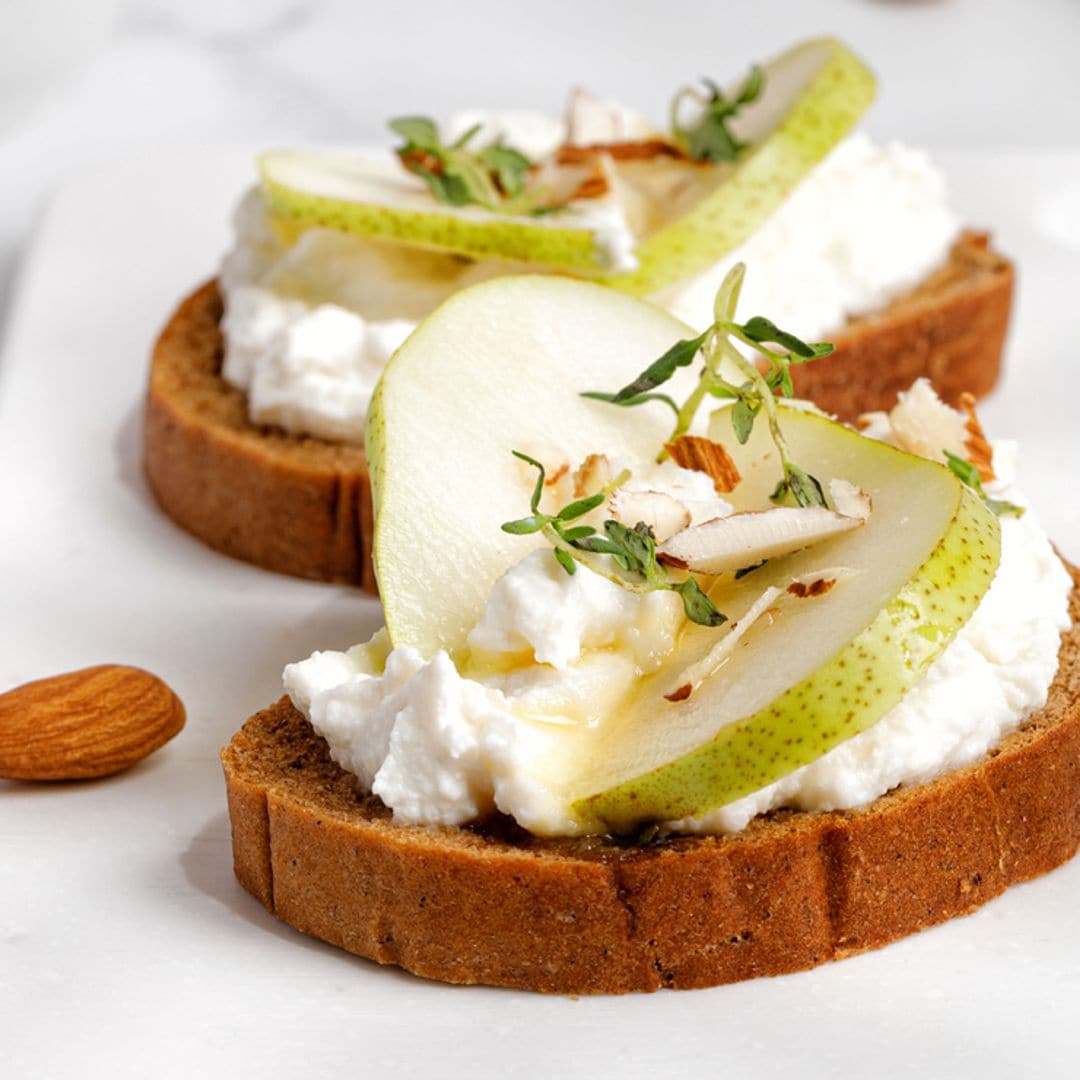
(126, 949)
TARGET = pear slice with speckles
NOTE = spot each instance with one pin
(379, 199)
(814, 94)
(816, 670)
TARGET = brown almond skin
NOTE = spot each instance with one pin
(85, 724)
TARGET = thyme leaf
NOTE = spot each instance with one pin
(969, 474)
(752, 397)
(632, 549)
(708, 137)
(493, 177)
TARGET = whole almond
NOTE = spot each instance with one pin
(85, 724)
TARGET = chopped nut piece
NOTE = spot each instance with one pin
(704, 455)
(730, 543)
(681, 694)
(849, 500)
(591, 475)
(665, 515)
(628, 150)
(818, 587)
(672, 560)
(979, 451)
(594, 186)
(554, 477)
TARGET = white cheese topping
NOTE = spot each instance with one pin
(995, 672)
(867, 224)
(442, 747)
(871, 221)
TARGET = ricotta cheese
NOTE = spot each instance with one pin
(441, 745)
(871, 220)
(869, 223)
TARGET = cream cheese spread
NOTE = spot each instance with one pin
(871, 221)
(441, 745)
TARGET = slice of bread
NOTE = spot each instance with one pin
(495, 905)
(950, 329)
(302, 506)
(290, 503)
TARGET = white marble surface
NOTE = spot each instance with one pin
(145, 958)
(199, 73)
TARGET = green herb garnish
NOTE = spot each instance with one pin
(492, 177)
(708, 137)
(631, 552)
(750, 398)
(969, 474)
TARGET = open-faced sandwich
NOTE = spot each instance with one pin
(261, 381)
(682, 681)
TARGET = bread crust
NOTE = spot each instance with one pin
(302, 506)
(289, 503)
(950, 329)
(494, 905)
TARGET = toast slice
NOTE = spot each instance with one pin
(291, 503)
(498, 906)
(302, 506)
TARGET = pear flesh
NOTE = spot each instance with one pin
(814, 94)
(379, 199)
(819, 671)
(498, 367)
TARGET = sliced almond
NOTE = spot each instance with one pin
(591, 475)
(849, 500)
(704, 455)
(767, 606)
(85, 724)
(623, 150)
(808, 590)
(730, 543)
(556, 475)
(594, 185)
(664, 514)
(721, 652)
(979, 451)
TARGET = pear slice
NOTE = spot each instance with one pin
(819, 670)
(380, 199)
(498, 367)
(814, 94)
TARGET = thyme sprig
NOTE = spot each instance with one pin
(624, 555)
(493, 176)
(755, 395)
(708, 137)
(969, 474)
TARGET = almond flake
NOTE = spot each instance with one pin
(626, 150)
(818, 587)
(595, 185)
(591, 475)
(979, 451)
(730, 543)
(664, 514)
(554, 477)
(681, 694)
(704, 455)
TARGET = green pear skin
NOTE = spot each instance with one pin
(865, 679)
